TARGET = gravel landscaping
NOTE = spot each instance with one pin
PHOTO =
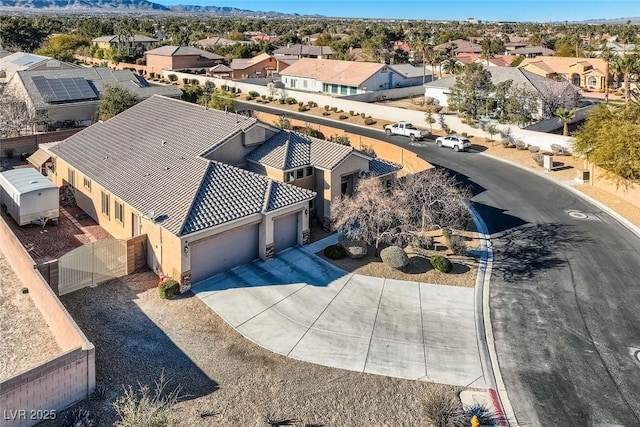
(226, 379)
(26, 338)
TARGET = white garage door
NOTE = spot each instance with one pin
(285, 232)
(223, 252)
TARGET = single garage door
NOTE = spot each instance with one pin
(223, 252)
(285, 232)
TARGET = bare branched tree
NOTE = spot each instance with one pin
(424, 201)
(16, 116)
(373, 214)
(557, 94)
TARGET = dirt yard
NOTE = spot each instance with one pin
(465, 268)
(26, 338)
(137, 336)
(52, 241)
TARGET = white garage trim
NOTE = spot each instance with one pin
(223, 252)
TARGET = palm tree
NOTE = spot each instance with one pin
(420, 42)
(606, 53)
(626, 65)
(452, 66)
(565, 116)
(487, 50)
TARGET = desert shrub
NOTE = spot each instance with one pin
(253, 93)
(99, 393)
(311, 104)
(354, 248)
(152, 75)
(458, 245)
(520, 144)
(352, 113)
(442, 408)
(343, 116)
(144, 408)
(485, 416)
(422, 242)
(334, 252)
(447, 233)
(441, 263)
(281, 101)
(23, 156)
(269, 98)
(79, 418)
(363, 115)
(194, 81)
(300, 104)
(327, 108)
(538, 158)
(248, 97)
(465, 134)
(334, 109)
(429, 100)
(533, 148)
(369, 121)
(508, 143)
(340, 139)
(168, 288)
(326, 113)
(302, 108)
(172, 77)
(394, 257)
(185, 81)
(264, 97)
(289, 100)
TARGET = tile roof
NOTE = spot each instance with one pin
(289, 150)
(161, 168)
(303, 49)
(99, 78)
(242, 63)
(382, 167)
(410, 71)
(182, 51)
(137, 38)
(333, 71)
(560, 64)
(532, 50)
(228, 193)
(462, 46)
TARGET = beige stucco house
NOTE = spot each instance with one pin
(180, 58)
(586, 73)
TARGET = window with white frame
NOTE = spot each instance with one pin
(105, 204)
(592, 81)
(71, 177)
(87, 183)
(119, 211)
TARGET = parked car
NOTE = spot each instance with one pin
(458, 143)
(405, 129)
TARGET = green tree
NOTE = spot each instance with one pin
(63, 46)
(222, 100)
(21, 33)
(626, 65)
(452, 66)
(191, 93)
(606, 53)
(471, 91)
(114, 101)
(565, 116)
(610, 138)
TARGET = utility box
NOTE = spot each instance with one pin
(29, 197)
(584, 176)
(547, 162)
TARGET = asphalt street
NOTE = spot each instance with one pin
(564, 292)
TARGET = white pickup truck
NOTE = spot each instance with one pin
(405, 129)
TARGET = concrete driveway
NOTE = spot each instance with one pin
(300, 306)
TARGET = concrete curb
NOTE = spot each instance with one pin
(486, 343)
(615, 215)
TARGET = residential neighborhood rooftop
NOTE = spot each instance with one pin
(150, 157)
(183, 51)
(333, 71)
(137, 38)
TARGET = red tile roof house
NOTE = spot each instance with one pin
(180, 58)
(460, 46)
(186, 177)
(263, 65)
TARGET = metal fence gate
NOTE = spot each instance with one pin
(92, 263)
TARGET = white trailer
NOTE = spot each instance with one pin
(29, 197)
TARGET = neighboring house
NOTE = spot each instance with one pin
(586, 73)
(619, 48)
(531, 51)
(138, 42)
(263, 38)
(180, 58)
(332, 170)
(411, 74)
(69, 98)
(342, 77)
(305, 51)
(460, 46)
(496, 61)
(263, 65)
(545, 88)
(211, 42)
(178, 183)
(221, 71)
(21, 61)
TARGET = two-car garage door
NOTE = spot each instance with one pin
(223, 252)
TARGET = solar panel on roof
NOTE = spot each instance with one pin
(65, 89)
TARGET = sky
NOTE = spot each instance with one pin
(491, 10)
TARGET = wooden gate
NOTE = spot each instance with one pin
(91, 264)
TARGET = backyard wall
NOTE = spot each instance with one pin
(61, 381)
(29, 143)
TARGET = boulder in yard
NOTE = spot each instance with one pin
(354, 248)
(394, 257)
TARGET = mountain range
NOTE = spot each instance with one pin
(126, 6)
